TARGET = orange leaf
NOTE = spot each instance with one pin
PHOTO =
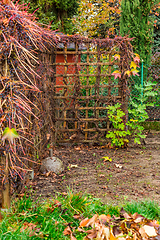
(112, 237)
(84, 222)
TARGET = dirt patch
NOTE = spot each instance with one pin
(133, 173)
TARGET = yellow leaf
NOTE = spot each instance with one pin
(9, 134)
(107, 159)
(133, 65)
(117, 56)
(134, 72)
(128, 73)
(112, 237)
(137, 55)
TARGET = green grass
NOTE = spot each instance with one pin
(147, 208)
(155, 125)
(50, 220)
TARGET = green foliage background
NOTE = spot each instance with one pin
(136, 22)
(57, 13)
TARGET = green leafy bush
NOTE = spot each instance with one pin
(119, 133)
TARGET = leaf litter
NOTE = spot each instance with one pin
(125, 227)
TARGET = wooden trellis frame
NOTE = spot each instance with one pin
(79, 102)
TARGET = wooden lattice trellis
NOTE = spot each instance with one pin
(79, 98)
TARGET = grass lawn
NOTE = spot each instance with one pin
(30, 219)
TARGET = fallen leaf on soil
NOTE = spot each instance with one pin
(77, 148)
(92, 221)
(48, 136)
(73, 238)
(67, 231)
(112, 237)
(92, 234)
(118, 165)
(107, 159)
(104, 218)
(32, 228)
(151, 232)
(57, 203)
(154, 223)
(138, 218)
(64, 193)
(127, 226)
(80, 230)
(76, 216)
(48, 173)
(73, 166)
(84, 222)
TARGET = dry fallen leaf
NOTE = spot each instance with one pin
(118, 166)
(77, 216)
(67, 231)
(112, 237)
(104, 218)
(124, 227)
(84, 222)
(72, 237)
(137, 218)
(77, 148)
(92, 221)
(91, 234)
(143, 233)
(80, 230)
(151, 232)
(48, 136)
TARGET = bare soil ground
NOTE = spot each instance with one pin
(133, 173)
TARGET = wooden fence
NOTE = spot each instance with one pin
(79, 97)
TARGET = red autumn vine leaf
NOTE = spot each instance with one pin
(137, 58)
(116, 57)
(116, 74)
(134, 72)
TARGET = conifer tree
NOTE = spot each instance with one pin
(135, 21)
(57, 13)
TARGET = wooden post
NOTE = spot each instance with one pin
(123, 85)
(98, 79)
(6, 183)
(76, 82)
(109, 83)
(5, 163)
(87, 92)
